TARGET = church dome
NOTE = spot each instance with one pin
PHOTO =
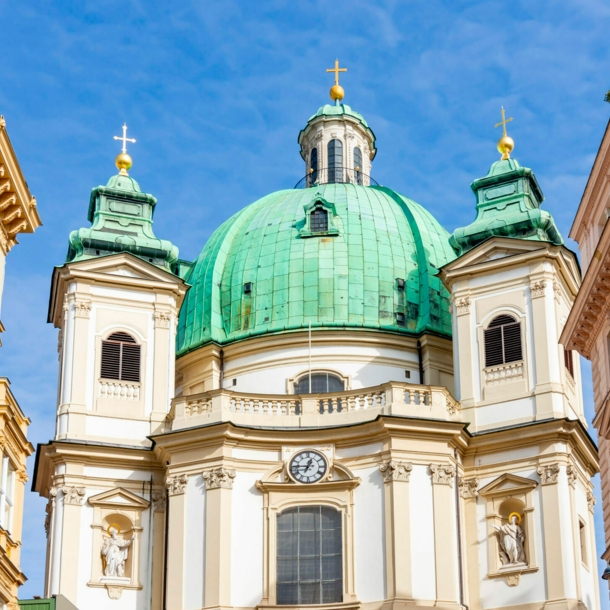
(333, 255)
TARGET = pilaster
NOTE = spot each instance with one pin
(218, 485)
(176, 488)
(72, 499)
(397, 529)
(159, 512)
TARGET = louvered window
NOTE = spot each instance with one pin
(568, 360)
(121, 358)
(503, 341)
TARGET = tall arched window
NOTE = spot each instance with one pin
(335, 161)
(309, 556)
(358, 165)
(313, 166)
(503, 341)
(120, 358)
(321, 383)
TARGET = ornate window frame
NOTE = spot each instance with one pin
(329, 207)
(280, 493)
(509, 487)
(347, 380)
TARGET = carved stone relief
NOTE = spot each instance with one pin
(468, 487)
(162, 319)
(219, 477)
(462, 306)
(395, 471)
(572, 475)
(159, 500)
(442, 474)
(591, 501)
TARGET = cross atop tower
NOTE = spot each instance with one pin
(125, 139)
(503, 122)
(336, 91)
(336, 70)
(505, 143)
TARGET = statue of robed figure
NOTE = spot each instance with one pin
(115, 551)
(511, 539)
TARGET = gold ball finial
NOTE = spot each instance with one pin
(337, 93)
(123, 162)
(505, 146)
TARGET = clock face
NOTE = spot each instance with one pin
(308, 466)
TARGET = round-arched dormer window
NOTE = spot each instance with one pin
(503, 341)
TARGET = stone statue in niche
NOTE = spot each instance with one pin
(115, 551)
(511, 539)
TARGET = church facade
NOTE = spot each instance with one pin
(338, 404)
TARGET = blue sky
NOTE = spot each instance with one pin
(216, 93)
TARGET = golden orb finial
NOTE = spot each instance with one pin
(123, 161)
(505, 144)
(336, 91)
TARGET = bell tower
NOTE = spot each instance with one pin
(337, 144)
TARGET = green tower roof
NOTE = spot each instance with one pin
(508, 205)
(265, 271)
(122, 219)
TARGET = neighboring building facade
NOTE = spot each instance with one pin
(18, 214)
(337, 404)
(587, 328)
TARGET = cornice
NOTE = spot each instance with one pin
(592, 303)
(18, 211)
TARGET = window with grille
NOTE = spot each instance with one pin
(309, 556)
(503, 341)
(7, 487)
(318, 221)
(120, 358)
(568, 360)
(321, 383)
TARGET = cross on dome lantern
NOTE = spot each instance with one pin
(336, 91)
(505, 144)
(124, 161)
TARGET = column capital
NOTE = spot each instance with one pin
(462, 305)
(468, 487)
(162, 318)
(537, 287)
(73, 495)
(159, 500)
(548, 473)
(396, 471)
(219, 477)
(176, 485)
(82, 308)
(442, 474)
(591, 501)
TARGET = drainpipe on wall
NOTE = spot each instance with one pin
(459, 530)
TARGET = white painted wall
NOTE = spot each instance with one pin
(369, 535)
(194, 549)
(246, 541)
(423, 570)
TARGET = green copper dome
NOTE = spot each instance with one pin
(270, 268)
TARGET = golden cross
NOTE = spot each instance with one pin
(336, 70)
(125, 139)
(503, 123)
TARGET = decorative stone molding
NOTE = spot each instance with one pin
(462, 306)
(572, 475)
(159, 500)
(512, 580)
(114, 591)
(49, 509)
(3, 442)
(591, 501)
(442, 474)
(468, 487)
(557, 290)
(82, 309)
(73, 495)
(22, 475)
(319, 135)
(548, 474)
(396, 471)
(176, 485)
(60, 339)
(219, 477)
(162, 319)
(537, 287)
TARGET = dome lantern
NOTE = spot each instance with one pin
(337, 144)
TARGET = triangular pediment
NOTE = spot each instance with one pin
(119, 498)
(507, 484)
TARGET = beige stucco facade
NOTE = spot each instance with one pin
(18, 214)
(587, 329)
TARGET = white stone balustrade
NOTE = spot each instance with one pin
(504, 373)
(119, 390)
(339, 408)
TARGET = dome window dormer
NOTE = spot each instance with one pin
(319, 218)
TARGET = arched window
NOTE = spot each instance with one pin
(503, 341)
(120, 358)
(335, 161)
(313, 166)
(318, 221)
(309, 556)
(358, 165)
(321, 383)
